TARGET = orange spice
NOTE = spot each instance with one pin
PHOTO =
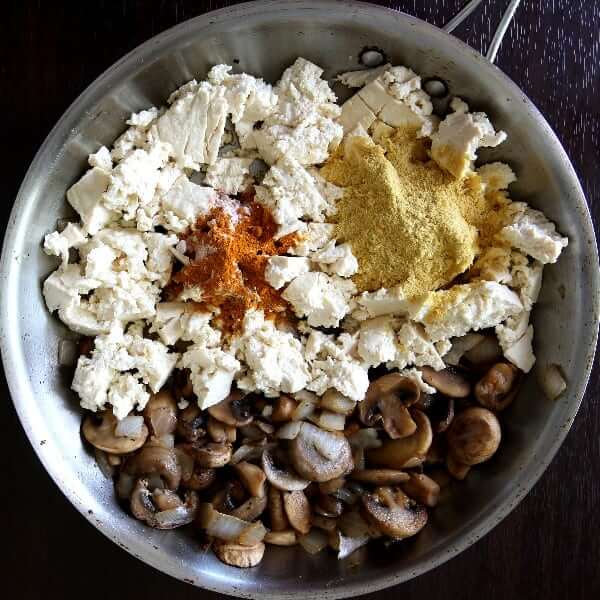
(228, 260)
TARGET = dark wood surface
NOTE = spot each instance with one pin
(547, 548)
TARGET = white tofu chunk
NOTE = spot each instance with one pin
(85, 197)
(282, 269)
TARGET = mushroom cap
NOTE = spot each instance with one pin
(405, 452)
(498, 387)
(320, 455)
(287, 537)
(393, 513)
(279, 476)
(160, 413)
(155, 460)
(190, 424)
(212, 455)
(448, 381)
(234, 410)
(279, 521)
(422, 489)
(397, 421)
(379, 476)
(99, 430)
(251, 509)
(297, 510)
(237, 555)
(474, 436)
(252, 477)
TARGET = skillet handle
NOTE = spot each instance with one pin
(500, 31)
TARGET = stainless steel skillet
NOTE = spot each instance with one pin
(263, 38)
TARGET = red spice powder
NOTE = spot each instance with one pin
(228, 261)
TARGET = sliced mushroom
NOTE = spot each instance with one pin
(200, 479)
(212, 456)
(219, 432)
(498, 387)
(448, 381)
(155, 460)
(252, 477)
(161, 413)
(387, 399)
(279, 520)
(279, 475)
(422, 488)
(283, 409)
(474, 436)
(228, 498)
(234, 410)
(328, 506)
(190, 424)
(393, 513)
(237, 555)
(251, 509)
(328, 487)
(325, 523)
(336, 402)
(320, 455)
(282, 538)
(441, 413)
(99, 430)
(379, 476)
(162, 509)
(457, 469)
(405, 452)
(297, 510)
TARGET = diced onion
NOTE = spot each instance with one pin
(348, 545)
(253, 534)
(303, 410)
(305, 395)
(174, 517)
(338, 403)
(314, 541)
(552, 381)
(67, 353)
(332, 421)
(485, 352)
(365, 438)
(129, 427)
(289, 431)
(219, 525)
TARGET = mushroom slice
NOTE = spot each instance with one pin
(297, 510)
(320, 455)
(441, 413)
(448, 381)
(334, 401)
(498, 387)
(190, 424)
(99, 430)
(474, 436)
(405, 452)
(279, 521)
(328, 506)
(251, 509)
(156, 460)
(282, 538)
(423, 489)
(328, 487)
(283, 409)
(200, 479)
(212, 456)
(379, 476)
(457, 469)
(252, 477)
(237, 555)
(219, 432)
(161, 413)
(387, 399)
(280, 477)
(254, 534)
(325, 523)
(393, 513)
(234, 410)
(167, 511)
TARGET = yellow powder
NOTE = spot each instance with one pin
(407, 221)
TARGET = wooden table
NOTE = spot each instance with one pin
(547, 548)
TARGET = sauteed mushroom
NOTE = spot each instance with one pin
(320, 455)
(474, 436)
(448, 381)
(393, 513)
(280, 476)
(251, 509)
(422, 488)
(234, 410)
(190, 424)
(279, 521)
(212, 456)
(498, 387)
(99, 430)
(252, 477)
(161, 413)
(297, 510)
(155, 460)
(237, 555)
(380, 476)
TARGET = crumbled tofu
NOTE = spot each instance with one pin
(229, 175)
(101, 159)
(313, 238)
(377, 341)
(91, 381)
(80, 318)
(125, 394)
(527, 279)
(282, 269)
(85, 197)
(58, 244)
(159, 263)
(187, 200)
(274, 358)
(173, 322)
(324, 300)
(144, 118)
(358, 79)
(494, 264)
(515, 336)
(417, 376)
(336, 259)
(128, 300)
(153, 361)
(291, 193)
(454, 146)
(414, 347)
(381, 302)
(466, 307)
(355, 113)
(496, 176)
(63, 286)
(533, 234)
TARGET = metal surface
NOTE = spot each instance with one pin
(265, 37)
